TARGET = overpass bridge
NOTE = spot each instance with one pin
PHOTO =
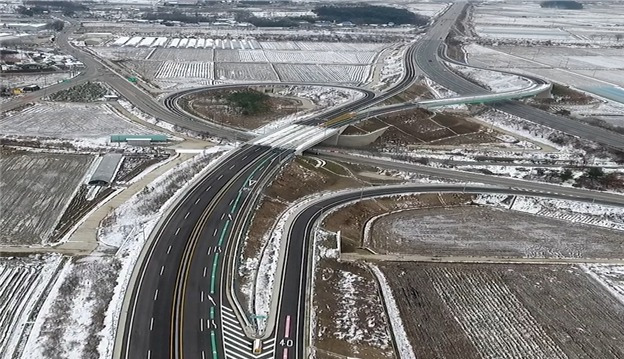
(303, 136)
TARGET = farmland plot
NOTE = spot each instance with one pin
(318, 57)
(282, 45)
(322, 74)
(484, 231)
(227, 55)
(340, 46)
(40, 79)
(169, 54)
(23, 281)
(122, 53)
(174, 69)
(36, 188)
(252, 56)
(69, 121)
(505, 311)
(245, 72)
(145, 68)
(610, 276)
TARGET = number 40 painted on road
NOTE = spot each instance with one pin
(286, 343)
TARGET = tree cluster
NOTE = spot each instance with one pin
(249, 102)
(562, 4)
(369, 14)
(175, 16)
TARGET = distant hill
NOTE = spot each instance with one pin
(562, 4)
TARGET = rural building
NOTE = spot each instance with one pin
(106, 170)
(139, 140)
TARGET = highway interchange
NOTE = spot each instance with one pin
(182, 303)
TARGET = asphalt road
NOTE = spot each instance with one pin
(428, 61)
(470, 177)
(291, 331)
(178, 299)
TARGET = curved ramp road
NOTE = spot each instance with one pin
(429, 62)
(291, 336)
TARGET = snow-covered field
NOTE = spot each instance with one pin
(321, 62)
(182, 55)
(598, 21)
(84, 304)
(609, 276)
(496, 81)
(394, 315)
(36, 188)
(580, 48)
(95, 122)
(42, 80)
(175, 69)
(244, 72)
(323, 73)
(579, 212)
(23, 281)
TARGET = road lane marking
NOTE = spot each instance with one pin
(177, 231)
(203, 355)
(197, 201)
(232, 166)
(212, 310)
(168, 249)
(215, 232)
(220, 176)
(187, 214)
(211, 301)
(222, 216)
(149, 354)
(213, 341)
(201, 296)
(152, 323)
(287, 329)
(204, 271)
(208, 189)
(285, 355)
(244, 157)
(201, 324)
(223, 232)
(156, 294)
(214, 273)
(162, 269)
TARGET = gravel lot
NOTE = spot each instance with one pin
(68, 121)
(36, 188)
(483, 231)
(505, 311)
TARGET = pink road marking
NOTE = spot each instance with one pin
(285, 356)
(287, 330)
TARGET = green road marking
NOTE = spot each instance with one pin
(240, 193)
(236, 202)
(223, 232)
(212, 313)
(213, 276)
(213, 340)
